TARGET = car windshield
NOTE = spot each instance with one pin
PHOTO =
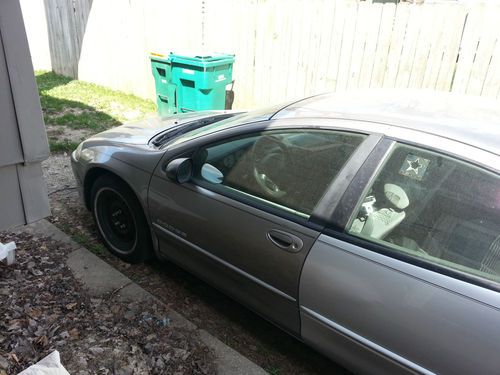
(244, 118)
(185, 127)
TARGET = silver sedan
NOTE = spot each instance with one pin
(366, 224)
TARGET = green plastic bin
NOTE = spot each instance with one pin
(166, 98)
(186, 83)
(201, 80)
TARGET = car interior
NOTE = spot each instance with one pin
(438, 208)
(292, 169)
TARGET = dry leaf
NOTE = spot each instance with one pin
(71, 306)
(14, 324)
(14, 357)
(34, 313)
(74, 333)
(42, 341)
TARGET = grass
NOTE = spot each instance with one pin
(87, 242)
(274, 371)
(70, 105)
(62, 146)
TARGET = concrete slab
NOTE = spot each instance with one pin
(45, 228)
(101, 278)
(229, 361)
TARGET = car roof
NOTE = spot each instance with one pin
(467, 119)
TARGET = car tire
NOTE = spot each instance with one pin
(120, 219)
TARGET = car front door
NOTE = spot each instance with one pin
(411, 284)
(243, 221)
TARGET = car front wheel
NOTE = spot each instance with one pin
(120, 220)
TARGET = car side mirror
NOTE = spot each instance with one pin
(211, 174)
(180, 170)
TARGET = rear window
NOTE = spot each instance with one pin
(436, 208)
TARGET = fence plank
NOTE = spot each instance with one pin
(437, 45)
(492, 81)
(269, 51)
(409, 46)
(335, 46)
(282, 52)
(470, 41)
(484, 52)
(244, 67)
(383, 44)
(372, 34)
(320, 72)
(396, 46)
(350, 15)
(423, 46)
(455, 21)
(278, 76)
(358, 48)
(319, 22)
(295, 10)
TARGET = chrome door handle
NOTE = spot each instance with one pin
(286, 241)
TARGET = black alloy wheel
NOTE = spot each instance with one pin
(120, 219)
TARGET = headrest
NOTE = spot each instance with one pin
(396, 195)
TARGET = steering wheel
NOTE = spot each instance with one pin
(269, 155)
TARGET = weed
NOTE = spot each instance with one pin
(97, 249)
(80, 238)
(62, 146)
(86, 242)
(81, 105)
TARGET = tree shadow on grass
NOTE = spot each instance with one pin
(68, 122)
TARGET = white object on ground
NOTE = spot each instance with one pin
(7, 251)
(50, 365)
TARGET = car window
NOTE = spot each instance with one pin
(434, 207)
(291, 169)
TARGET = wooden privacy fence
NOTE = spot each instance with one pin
(286, 49)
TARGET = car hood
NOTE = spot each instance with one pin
(140, 132)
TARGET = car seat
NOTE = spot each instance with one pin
(382, 221)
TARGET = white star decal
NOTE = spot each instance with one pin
(414, 165)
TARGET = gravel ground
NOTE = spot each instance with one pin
(44, 308)
(227, 320)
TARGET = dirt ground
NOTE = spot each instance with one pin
(44, 308)
(238, 327)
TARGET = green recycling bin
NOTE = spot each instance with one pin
(165, 90)
(201, 80)
(186, 83)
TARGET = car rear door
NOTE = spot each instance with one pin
(422, 297)
(250, 237)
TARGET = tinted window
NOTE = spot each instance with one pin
(437, 208)
(289, 168)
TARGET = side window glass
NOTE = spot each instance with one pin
(291, 169)
(435, 207)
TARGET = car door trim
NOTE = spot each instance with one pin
(345, 208)
(224, 263)
(365, 342)
(334, 238)
(255, 206)
(340, 183)
(417, 268)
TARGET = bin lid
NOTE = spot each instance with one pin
(158, 56)
(204, 60)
